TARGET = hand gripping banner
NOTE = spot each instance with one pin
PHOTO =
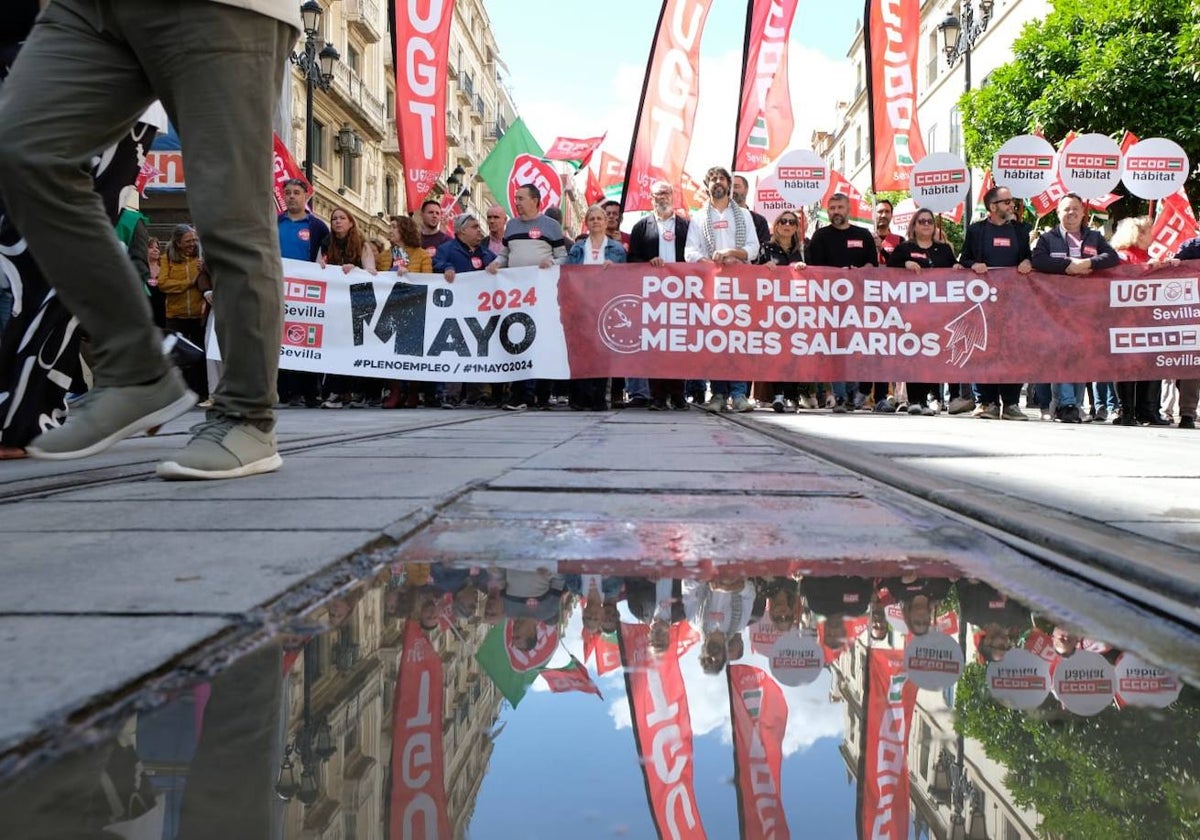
(767, 323)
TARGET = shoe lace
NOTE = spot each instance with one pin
(212, 430)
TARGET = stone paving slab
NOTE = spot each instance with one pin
(823, 479)
(64, 662)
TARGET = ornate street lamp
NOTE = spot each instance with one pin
(317, 67)
(957, 40)
(952, 787)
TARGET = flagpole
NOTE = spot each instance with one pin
(870, 90)
(637, 741)
(737, 116)
(637, 120)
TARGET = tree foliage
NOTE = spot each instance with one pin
(1132, 773)
(1100, 66)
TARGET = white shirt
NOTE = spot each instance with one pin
(724, 233)
(666, 238)
(592, 256)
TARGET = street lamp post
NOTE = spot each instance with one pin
(957, 39)
(317, 67)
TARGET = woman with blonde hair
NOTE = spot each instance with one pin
(187, 290)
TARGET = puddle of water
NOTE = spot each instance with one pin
(518, 703)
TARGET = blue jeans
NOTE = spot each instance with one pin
(1068, 393)
(841, 389)
(637, 387)
(1106, 396)
(733, 390)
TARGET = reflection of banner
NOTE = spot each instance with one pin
(662, 730)
(572, 677)
(514, 652)
(608, 657)
(765, 112)
(756, 322)
(759, 714)
(422, 42)
(892, 37)
(663, 133)
(418, 796)
(890, 702)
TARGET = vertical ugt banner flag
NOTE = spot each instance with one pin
(765, 106)
(892, 38)
(421, 50)
(418, 796)
(663, 133)
(662, 729)
(891, 697)
(759, 714)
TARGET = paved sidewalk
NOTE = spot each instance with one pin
(109, 573)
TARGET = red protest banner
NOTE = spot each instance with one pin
(663, 134)
(759, 712)
(891, 697)
(769, 323)
(421, 35)
(765, 120)
(892, 38)
(1175, 224)
(662, 729)
(418, 794)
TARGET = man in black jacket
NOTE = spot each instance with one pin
(1071, 248)
(738, 192)
(999, 241)
(659, 239)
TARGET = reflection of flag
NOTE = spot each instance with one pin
(662, 727)
(498, 165)
(418, 794)
(604, 648)
(892, 37)
(663, 134)
(573, 677)
(759, 713)
(765, 121)
(512, 669)
(891, 697)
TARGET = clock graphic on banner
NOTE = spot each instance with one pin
(619, 323)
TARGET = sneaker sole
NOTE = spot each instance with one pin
(151, 421)
(174, 471)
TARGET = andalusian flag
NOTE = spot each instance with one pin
(514, 653)
(498, 165)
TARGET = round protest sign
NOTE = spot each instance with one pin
(801, 177)
(939, 182)
(529, 169)
(1083, 683)
(769, 201)
(796, 659)
(1155, 168)
(934, 661)
(1021, 680)
(1090, 165)
(1141, 684)
(902, 214)
(1024, 164)
(763, 635)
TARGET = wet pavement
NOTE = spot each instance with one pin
(133, 607)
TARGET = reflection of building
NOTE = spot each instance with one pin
(931, 732)
(939, 85)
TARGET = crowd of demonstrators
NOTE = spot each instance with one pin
(784, 246)
(723, 233)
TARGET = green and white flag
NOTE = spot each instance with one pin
(497, 167)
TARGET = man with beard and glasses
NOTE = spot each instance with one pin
(723, 233)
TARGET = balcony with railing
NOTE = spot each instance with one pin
(353, 91)
(478, 110)
(366, 18)
(453, 129)
(391, 143)
(466, 87)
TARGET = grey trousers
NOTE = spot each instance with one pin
(87, 72)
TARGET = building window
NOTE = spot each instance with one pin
(934, 56)
(857, 145)
(931, 139)
(955, 131)
(389, 196)
(353, 58)
(349, 171)
(317, 153)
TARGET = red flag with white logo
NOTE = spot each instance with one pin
(575, 150)
(285, 169)
(861, 211)
(692, 192)
(422, 49)
(663, 133)
(662, 728)
(1174, 225)
(592, 193)
(573, 677)
(1047, 200)
(891, 697)
(759, 713)
(892, 37)
(418, 795)
(612, 175)
(765, 120)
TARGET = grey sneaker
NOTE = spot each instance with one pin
(104, 416)
(742, 404)
(224, 448)
(989, 411)
(885, 407)
(716, 403)
(1012, 412)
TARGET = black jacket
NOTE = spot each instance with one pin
(643, 239)
(1050, 254)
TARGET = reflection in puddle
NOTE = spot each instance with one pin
(500, 703)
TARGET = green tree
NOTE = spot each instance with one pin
(1132, 773)
(1100, 66)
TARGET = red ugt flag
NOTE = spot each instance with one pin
(422, 48)
(759, 713)
(573, 677)
(765, 120)
(577, 151)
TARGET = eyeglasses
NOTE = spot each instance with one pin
(925, 221)
(785, 222)
(1003, 201)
